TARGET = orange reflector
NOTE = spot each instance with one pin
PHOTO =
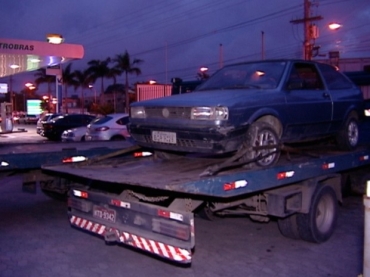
(235, 185)
(328, 165)
(74, 159)
(79, 193)
(284, 175)
(364, 158)
(142, 154)
(172, 215)
(120, 203)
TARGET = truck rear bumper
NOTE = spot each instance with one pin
(147, 227)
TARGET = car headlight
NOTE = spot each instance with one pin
(210, 113)
(137, 112)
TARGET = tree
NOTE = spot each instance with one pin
(41, 78)
(99, 69)
(82, 80)
(68, 80)
(124, 65)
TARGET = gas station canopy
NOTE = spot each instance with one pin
(18, 56)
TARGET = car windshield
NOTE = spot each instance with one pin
(261, 75)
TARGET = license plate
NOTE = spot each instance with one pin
(104, 213)
(164, 137)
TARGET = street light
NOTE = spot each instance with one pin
(334, 26)
(92, 88)
(54, 38)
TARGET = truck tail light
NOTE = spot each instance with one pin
(80, 193)
(75, 159)
(284, 175)
(235, 185)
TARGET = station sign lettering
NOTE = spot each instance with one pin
(16, 46)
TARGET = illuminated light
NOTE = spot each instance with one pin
(79, 193)
(75, 159)
(54, 38)
(260, 73)
(364, 158)
(367, 112)
(328, 165)
(14, 66)
(120, 203)
(284, 175)
(235, 185)
(152, 82)
(4, 163)
(334, 26)
(142, 154)
(368, 188)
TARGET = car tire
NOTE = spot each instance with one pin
(319, 223)
(262, 134)
(348, 137)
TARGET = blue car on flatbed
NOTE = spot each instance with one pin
(253, 104)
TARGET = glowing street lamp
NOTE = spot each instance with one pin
(152, 82)
(54, 38)
(334, 26)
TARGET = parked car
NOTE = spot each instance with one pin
(31, 118)
(43, 119)
(253, 104)
(109, 127)
(75, 134)
(54, 128)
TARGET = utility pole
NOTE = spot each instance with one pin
(310, 30)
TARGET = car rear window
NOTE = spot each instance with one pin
(103, 120)
(333, 78)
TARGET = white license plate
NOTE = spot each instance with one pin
(104, 213)
(164, 137)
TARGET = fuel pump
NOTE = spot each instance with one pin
(6, 111)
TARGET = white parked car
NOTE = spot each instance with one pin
(75, 134)
(109, 127)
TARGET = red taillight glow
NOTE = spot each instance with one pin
(120, 203)
(235, 185)
(142, 154)
(172, 215)
(328, 165)
(80, 193)
(74, 159)
(364, 158)
(284, 175)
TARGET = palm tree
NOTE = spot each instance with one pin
(41, 78)
(82, 80)
(68, 80)
(99, 69)
(124, 65)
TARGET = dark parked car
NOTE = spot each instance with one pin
(253, 104)
(54, 128)
(43, 119)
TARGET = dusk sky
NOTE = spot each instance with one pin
(175, 38)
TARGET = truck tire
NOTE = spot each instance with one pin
(288, 227)
(348, 137)
(319, 223)
(262, 134)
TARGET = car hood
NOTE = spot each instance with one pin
(228, 98)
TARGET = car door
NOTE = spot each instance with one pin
(309, 107)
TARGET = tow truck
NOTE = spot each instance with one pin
(147, 200)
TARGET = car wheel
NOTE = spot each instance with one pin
(319, 223)
(262, 134)
(348, 137)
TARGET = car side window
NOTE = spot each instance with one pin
(123, 121)
(333, 78)
(304, 76)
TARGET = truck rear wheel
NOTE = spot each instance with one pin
(288, 227)
(319, 223)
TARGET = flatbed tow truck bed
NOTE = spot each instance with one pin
(185, 174)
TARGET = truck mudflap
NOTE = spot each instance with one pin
(151, 228)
